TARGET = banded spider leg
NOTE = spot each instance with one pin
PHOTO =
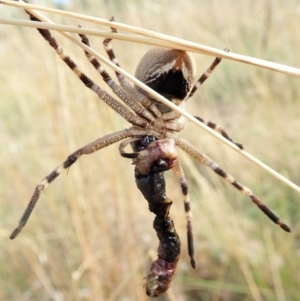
(206, 161)
(198, 83)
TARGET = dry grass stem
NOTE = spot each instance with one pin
(174, 42)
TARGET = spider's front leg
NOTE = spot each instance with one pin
(138, 102)
(135, 119)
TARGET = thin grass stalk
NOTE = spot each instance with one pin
(177, 43)
(87, 31)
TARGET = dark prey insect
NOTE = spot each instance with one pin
(154, 136)
(152, 186)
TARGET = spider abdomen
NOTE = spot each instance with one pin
(169, 72)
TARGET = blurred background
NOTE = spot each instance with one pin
(90, 236)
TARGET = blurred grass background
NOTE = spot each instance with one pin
(90, 237)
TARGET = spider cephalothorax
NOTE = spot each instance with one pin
(154, 136)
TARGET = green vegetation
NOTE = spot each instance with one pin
(90, 236)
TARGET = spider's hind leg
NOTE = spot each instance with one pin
(86, 150)
(206, 161)
(178, 171)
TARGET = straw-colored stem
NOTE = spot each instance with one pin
(87, 31)
(177, 43)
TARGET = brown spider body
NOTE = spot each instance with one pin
(170, 73)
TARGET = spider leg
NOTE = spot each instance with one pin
(138, 102)
(126, 97)
(122, 80)
(218, 129)
(200, 81)
(86, 150)
(206, 161)
(102, 94)
(178, 171)
(205, 75)
(109, 50)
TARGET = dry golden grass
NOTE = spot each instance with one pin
(90, 236)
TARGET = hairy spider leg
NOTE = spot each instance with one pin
(218, 128)
(199, 82)
(145, 101)
(206, 161)
(205, 75)
(122, 80)
(86, 150)
(102, 94)
(179, 174)
(133, 102)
